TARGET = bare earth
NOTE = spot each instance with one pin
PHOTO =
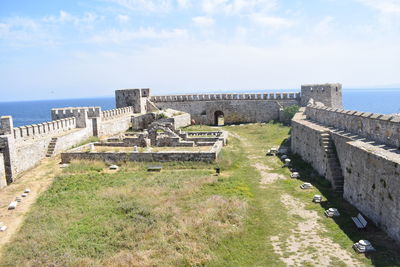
(305, 245)
(37, 180)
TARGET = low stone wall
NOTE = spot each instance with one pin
(144, 156)
(114, 126)
(377, 127)
(372, 181)
(3, 181)
(181, 120)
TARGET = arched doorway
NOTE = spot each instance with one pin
(219, 118)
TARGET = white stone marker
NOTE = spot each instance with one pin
(317, 199)
(114, 167)
(135, 149)
(295, 175)
(287, 162)
(27, 191)
(2, 227)
(24, 195)
(13, 205)
(363, 246)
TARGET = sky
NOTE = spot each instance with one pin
(52, 49)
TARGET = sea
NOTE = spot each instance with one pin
(383, 101)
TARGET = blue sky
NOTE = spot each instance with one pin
(84, 48)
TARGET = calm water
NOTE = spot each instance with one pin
(30, 112)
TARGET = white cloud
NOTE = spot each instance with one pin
(384, 6)
(270, 21)
(203, 21)
(325, 26)
(65, 17)
(184, 3)
(122, 18)
(119, 37)
(147, 5)
(236, 7)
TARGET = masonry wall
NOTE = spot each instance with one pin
(28, 153)
(372, 181)
(306, 142)
(237, 108)
(329, 94)
(377, 127)
(115, 121)
(371, 172)
(3, 181)
(145, 156)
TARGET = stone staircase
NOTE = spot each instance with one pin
(334, 170)
(52, 146)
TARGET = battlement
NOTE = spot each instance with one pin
(378, 127)
(59, 113)
(232, 96)
(44, 129)
(116, 113)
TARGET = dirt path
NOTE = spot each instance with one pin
(305, 244)
(37, 180)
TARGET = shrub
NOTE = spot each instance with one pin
(290, 111)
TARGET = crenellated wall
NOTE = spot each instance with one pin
(208, 97)
(371, 171)
(116, 113)
(40, 130)
(378, 127)
(24, 147)
(236, 108)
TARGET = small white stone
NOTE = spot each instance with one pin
(18, 199)
(3, 228)
(24, 195)
(12, 205)
(63, 166)
(114, 167)
(27, 190)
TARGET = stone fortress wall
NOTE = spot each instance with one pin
(21, 148)
(357, 151)
(367, 151)
(235, 108)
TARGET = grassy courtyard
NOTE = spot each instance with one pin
(253, 214)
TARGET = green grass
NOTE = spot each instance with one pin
(184, 215)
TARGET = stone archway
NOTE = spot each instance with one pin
(219, 119)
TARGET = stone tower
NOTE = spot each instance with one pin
(136, 98)
(329, 94)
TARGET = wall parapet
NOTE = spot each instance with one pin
(67, 112)
(116, 113)
(377, 127)
(44, 129)
(230, 96)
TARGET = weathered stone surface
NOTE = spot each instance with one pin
(3, 181)
(371, 171)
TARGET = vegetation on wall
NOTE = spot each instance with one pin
(290, 111)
